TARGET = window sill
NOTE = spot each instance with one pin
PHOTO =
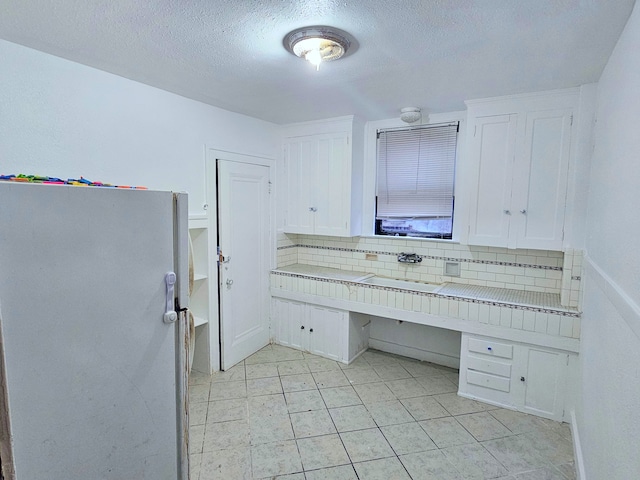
(414, 239)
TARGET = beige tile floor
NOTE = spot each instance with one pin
(290, 415)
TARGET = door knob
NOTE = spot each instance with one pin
(229, 283)
(523, 211)
(507, 212)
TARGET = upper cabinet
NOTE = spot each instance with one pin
(319, 188)
(519, 149)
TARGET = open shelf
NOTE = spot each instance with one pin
(199, 321)
(200, 298)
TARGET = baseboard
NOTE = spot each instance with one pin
(351, 360)
(577, 449)
(484, 400)
(437, 358)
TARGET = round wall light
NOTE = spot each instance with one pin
(410, 114)
(318, 44)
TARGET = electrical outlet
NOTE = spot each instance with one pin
(452, 269)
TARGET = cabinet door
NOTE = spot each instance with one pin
(491, 154)
(318, 180)
(326, 331)
(332, 182)
(541, 374)
(540, 181)
(299, 174)
(288, 320)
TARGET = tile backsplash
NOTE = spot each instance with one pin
(528, 270)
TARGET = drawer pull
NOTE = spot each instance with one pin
(488, 347)
(302, 327)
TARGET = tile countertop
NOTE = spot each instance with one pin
(457, 290)
(324, 272)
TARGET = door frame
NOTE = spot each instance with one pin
(212, 155)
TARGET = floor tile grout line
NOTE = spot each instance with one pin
(336, 427)
(544, 426)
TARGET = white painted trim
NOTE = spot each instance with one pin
(211, 196)
(521, 96)
(314, 127)
(351, 360)
(628, 309)
(577, 448)
(213, 154)
(506, 406)
(417, 353)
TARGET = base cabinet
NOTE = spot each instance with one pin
(326, 332)
(522, 377)
(326, 329)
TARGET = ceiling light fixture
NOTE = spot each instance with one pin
(410, 114)
(317, 44)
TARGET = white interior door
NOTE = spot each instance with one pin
(243, 232)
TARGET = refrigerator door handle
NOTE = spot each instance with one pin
(170, 315)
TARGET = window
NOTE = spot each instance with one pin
(415, 184)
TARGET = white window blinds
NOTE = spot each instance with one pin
(416, 167)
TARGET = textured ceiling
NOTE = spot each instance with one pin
(428, 53)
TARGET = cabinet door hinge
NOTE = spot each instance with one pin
(270, 187)
(567, 359)
(475, 129)
(572, 119)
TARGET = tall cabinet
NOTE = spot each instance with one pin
(519, 150)
(320, 177)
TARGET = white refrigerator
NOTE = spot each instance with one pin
(94, 342)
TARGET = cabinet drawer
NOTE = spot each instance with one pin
(488, 381)
(489, 347)
(489, 366)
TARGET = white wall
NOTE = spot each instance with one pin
(608, 414)
(437, 345)
(63, 119)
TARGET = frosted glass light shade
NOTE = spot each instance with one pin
(317, 44)
(410, 114)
